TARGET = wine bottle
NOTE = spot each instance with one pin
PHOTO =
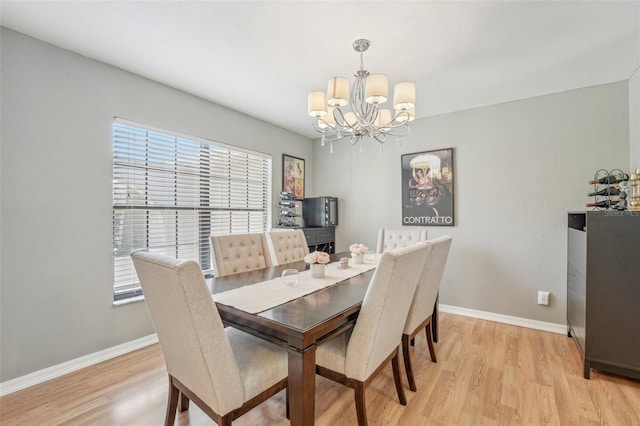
(287, 213)
(287, 196)
(611, 190)
(610, 179)
(603, 204)
(287, 204)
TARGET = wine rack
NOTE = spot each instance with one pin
(290, 215)
(609, 190)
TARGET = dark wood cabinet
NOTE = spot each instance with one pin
(321, 238)
(603, 290)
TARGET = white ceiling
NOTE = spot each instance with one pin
(262, 58)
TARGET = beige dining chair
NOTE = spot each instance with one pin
(235, 253)
(354, 359)
(424, 299)
(226, 372)
(391, 239)
(286, 246)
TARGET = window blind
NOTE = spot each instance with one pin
(172, 192)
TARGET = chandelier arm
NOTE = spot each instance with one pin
(355, 139)
(365, 113)
(380, 137)
(402, 131)
(343, 126)
(396, 122)
(333, 135)
(338, 112)
(318, 128)
(330, 133)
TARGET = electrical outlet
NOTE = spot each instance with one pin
(543, 298)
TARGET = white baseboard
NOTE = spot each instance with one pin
(506, 319)
(55, 371)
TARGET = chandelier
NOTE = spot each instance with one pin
(338, 115)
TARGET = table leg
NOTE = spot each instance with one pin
(434, 320)
(302, 386)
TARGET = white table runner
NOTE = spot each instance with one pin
(265, 295)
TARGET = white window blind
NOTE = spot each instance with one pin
(172, 192)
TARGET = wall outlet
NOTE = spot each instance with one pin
(543, 298)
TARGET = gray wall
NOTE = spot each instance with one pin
(519, 167)
(56, 266)
(634, 120)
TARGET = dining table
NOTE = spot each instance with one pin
(299, 325)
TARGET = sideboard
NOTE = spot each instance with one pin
(603, 290)
(321, 238)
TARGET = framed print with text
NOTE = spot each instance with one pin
(293, 176)
(427, 188)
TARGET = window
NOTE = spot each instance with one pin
(172, 192)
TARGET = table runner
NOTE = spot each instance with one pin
(265, 295)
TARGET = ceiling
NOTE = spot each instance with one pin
(263, 58)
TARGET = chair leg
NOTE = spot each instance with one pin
(184, 402)
(172, 403)
(432, 350)
(361, 408)
(407, 362)
(395, 364)
(288, 414)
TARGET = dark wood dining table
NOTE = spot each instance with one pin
(299, 325)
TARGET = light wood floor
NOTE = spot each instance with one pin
(487, 373)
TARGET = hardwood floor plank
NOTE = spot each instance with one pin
(612, 404)
(487, 374)
(492, 393)
(509, 396)
(507, 416)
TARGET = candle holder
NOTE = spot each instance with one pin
(634, 184)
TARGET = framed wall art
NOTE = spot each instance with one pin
(427, 188)
(293, 175)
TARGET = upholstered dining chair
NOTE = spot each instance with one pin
(424, 299)
(286, 246)
(226, 372)
(391, 239)
(235, 253)
(355, 358)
